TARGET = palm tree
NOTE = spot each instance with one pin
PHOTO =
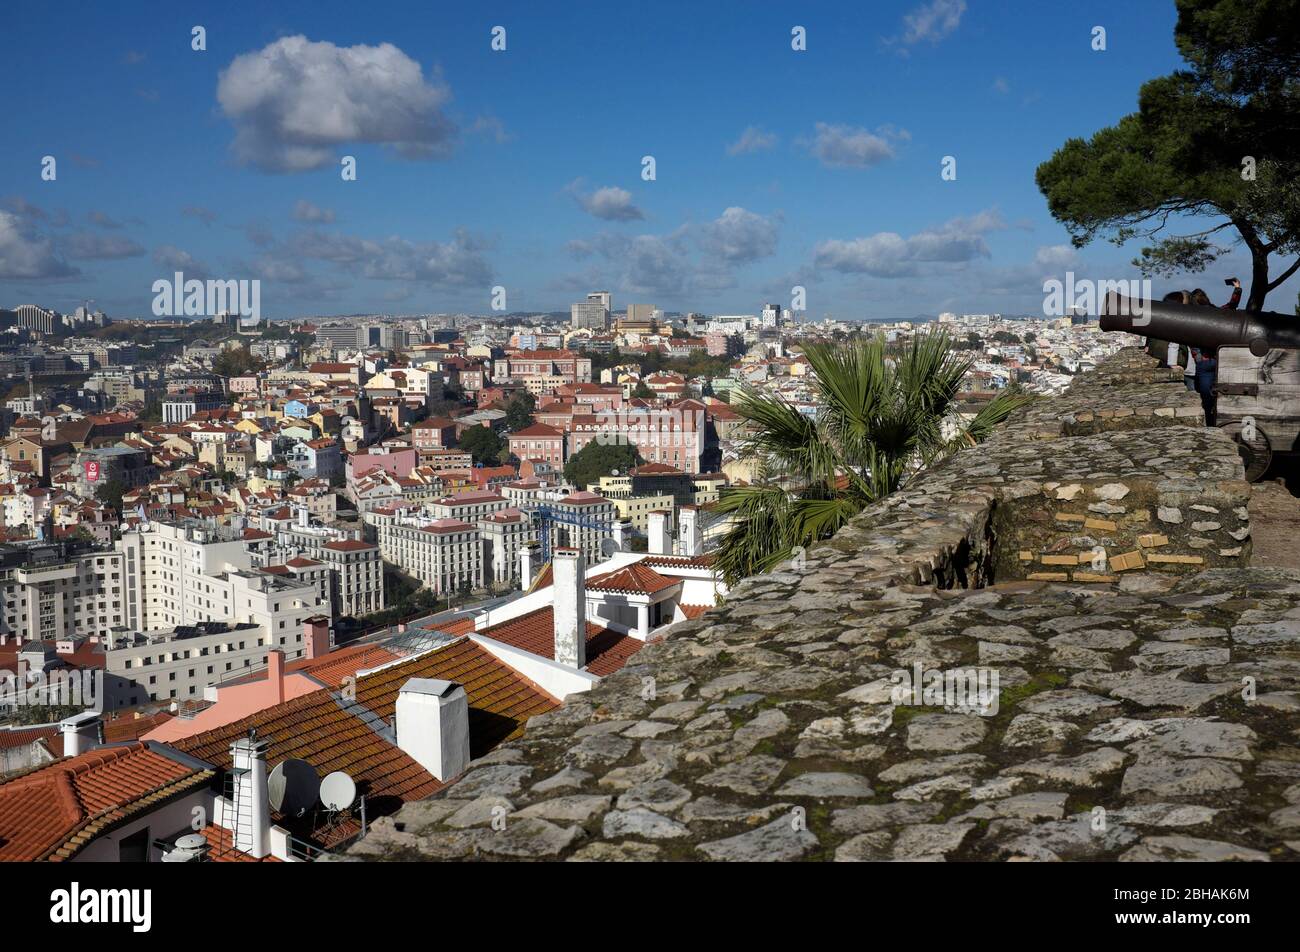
(885, 413)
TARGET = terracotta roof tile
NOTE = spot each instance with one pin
(55, 810)
(607, 649)
(636, 578)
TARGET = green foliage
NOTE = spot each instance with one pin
(642, 392)
(236, 362)
(880, 421)
(484, 445)
(1177, 163)
(110, 493)
(600, 459)
(519, 410)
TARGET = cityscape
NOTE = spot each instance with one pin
(398, 470)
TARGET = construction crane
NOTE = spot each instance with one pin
(545, 517)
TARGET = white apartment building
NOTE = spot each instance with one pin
(179, 663)
(181, 575)
(52, 592)
(356, 576)
(446, 554)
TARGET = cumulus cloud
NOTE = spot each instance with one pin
(1056, 256)
(932, 22)
(609, 203)
(85, 244)
(887, 254)
(853, 147)
(27, 255)
(695, 258)
(175, 259)
(304, 210)
(753, 139)
(458, 263)
(738, 236)
(294, 102)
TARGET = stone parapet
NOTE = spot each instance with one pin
(1139, 711)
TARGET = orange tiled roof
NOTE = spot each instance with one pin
(316, 729)
(636, 578)
(332, 668)
(607, 649)
(54, 811)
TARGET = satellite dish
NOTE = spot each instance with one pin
(293, 787)
(338, 790)
(191, 841)
(608, 548)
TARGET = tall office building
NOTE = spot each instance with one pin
(590, 315)
(603, 298)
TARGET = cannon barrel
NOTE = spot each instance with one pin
(1208, 328)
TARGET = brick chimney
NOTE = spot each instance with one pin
(316, 635)
(569, 607)
(275, 674)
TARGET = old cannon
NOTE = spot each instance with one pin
(1257, 393)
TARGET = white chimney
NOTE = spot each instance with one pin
(304, 517)
(569, 607)
(661, 540)
(688, 523)
(433, 725)
(527, 566)
(622, 533)
(250, 799)
(81, 732)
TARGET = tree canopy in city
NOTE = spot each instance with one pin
(483, 444)
(595, 460)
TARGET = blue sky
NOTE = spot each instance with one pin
(522, 168)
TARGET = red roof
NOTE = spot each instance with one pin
(348, 545)
(607, 649)
(54, 811)
(539, 430)
(636, 578)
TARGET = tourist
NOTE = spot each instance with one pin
(1207, 365)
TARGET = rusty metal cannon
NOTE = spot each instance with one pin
(1257, 393)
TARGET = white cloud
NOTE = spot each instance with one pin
(304, 210)
(26, 255)
(693, 259)
(753, 139)
(85, 244)
(853, 147)
(739, 236)
(175, 259)
(932, 21)
(456, 263)
(295, 101)
(887, 254)
(609, 203)
(1056, 256)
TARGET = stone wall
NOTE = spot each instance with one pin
(1145, 707)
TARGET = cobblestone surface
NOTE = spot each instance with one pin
(1154, 714)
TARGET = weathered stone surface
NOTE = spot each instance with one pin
(1124, 728)
(777, 841)
(827, 786)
